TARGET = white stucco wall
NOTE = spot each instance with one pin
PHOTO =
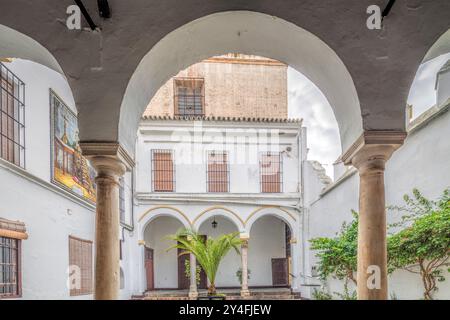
(423, 163)
(50, 214)
(244, 141)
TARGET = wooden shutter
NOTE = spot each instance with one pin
(163, 171)
(80, 254)
(217, 172)
(8, 122)
(270, 170)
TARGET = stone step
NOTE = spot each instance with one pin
(255, 295)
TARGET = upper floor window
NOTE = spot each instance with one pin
(218, 173)
(12, 117)
(9, 268)
(271, 175)
(122, 199)
(80, 257)
(163, 171)
(189, 97)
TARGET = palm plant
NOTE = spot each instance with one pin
(209, 253)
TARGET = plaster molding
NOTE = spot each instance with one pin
(91, 149)
(373, 138)
(190, 223)
(219, 208)
(13, 234)
(244, 236)
(269, 207)
(240, 60)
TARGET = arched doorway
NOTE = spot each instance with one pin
(162, 269)
(215, 226)
(269, 253)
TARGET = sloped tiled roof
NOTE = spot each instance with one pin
(220, 118)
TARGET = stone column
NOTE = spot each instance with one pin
(370, 157)
(107, 265)
(110, 161)
(244, 256)
(193, 293)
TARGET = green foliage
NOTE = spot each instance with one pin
(347, 294)
(422, 246)
(209, 253)
(321, 295)
(337, 256)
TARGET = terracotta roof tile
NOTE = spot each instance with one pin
(220, 118)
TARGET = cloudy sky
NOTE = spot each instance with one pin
(306, 101)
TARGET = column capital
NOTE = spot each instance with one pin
(110, 150)
(244, 239)
(108, 168)
(376, 145)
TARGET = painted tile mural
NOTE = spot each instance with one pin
(69, 168)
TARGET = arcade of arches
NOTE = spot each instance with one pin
(115, 71)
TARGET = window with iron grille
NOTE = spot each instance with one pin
(122, 199)
(80, 257)
(271, 175)
(217, 174)
(10, 285)
(163, 171)
(12, 117)
(189, 97)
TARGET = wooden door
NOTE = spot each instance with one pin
(280, 272)
(149, 268)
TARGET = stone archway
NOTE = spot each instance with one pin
(226, 275)
(249, 33)
(164, 268)
(381, 63)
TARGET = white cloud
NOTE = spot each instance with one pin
(422, 94)
(306, 101)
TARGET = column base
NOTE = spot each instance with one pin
(193, 294)
(245, 293)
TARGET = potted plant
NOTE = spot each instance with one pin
(209, 253)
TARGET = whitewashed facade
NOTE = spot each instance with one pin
(260, 217)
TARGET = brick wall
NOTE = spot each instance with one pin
(235, 85)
